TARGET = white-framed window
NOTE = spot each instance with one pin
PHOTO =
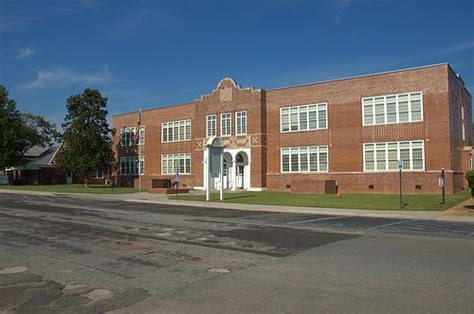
(172, 163)
(99, 174)
(304, 118)
(128, 138)
(176, 131)
(132, 165)
(390, 109)
(241, 123)
(211, 125)
(385, 156)
(226, 120)
(304, 159)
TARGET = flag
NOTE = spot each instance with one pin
(136, 136)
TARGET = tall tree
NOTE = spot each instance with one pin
(87, 138)
(21, 131)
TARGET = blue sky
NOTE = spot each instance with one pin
(145, 54)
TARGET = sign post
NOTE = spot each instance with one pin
(215, 161)
(400, 168)
(176, 180)
(441, 185)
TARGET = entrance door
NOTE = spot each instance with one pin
(68, 178)
(240, 177)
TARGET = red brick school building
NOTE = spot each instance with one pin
(305, 138)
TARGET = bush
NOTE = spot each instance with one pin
(470, 179)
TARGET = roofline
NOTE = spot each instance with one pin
(360, 76)
(313, 83)
(459, 78)
(151, 109)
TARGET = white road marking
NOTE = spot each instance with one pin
(13, 270)
(317, 219)
(391, 224)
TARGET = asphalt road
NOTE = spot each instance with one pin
(63, 254)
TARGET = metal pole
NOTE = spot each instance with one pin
(401, 197)
(221, 177)
(208, 183)
(442, 188)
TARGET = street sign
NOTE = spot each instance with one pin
(400, 165)
(441, 181)
(215, 161)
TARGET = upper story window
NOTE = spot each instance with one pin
(211, 125)
(390, 109)
(385, 156)
(304, 159)
(176, 131)
(129, 137)
(241, 123)
(226, 119)
(304, 118)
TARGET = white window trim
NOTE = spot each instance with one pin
(177, 122)
(172, 156)
(207, 124)
(129, 159)
(131, 130)
(396, 109)
(230, 123)
(307, 121)
(96, 174)
(299, 158)
(398, 156)
(246, 123)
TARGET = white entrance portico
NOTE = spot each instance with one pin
(236, 172)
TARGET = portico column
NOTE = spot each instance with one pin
(233, 175)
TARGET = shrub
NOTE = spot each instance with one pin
(470, 179)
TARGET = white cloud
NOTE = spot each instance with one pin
(25, 53)
(454, 48)
(65, 77)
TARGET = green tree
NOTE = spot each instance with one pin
(21, 131)
(87, 138)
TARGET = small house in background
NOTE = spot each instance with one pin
(38, 168)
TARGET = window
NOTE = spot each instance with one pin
(176, 131)
(241, 123)
(172, 163)
(132, 165)
(226, 129)
(99, 174)
(128, 136)
(303, 118)
(389, 109)
(304, 159)
(211, 125)
(385, 156)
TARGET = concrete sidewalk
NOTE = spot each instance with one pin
(463, 212)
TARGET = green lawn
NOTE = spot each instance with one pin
(359, 201)
(71, 188)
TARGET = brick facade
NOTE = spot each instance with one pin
(257, 153)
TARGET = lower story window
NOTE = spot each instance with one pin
(99, 174)
(176, 163)
(304, 159)
(385, 156)
(132, 165)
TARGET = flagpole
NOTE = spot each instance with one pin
(139, 165)
(140, 153)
